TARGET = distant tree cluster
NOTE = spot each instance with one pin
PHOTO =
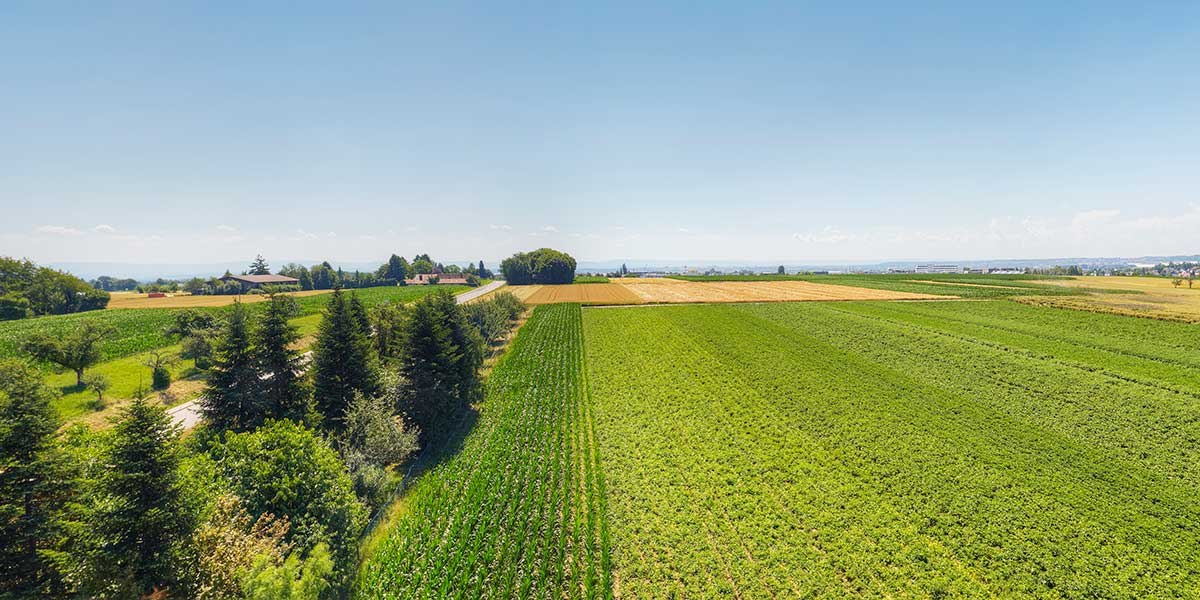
(112, 284)
(29, 290)
(541, 266)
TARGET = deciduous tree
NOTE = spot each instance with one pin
(76, 350)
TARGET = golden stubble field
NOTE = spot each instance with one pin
(674, 291)
(136, 300)
(1154, 297)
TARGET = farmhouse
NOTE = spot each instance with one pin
(250, 282)
(441, 278)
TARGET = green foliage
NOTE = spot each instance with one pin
(388, 323)
(139, 523)
(232, 397)
(374, 431)
(13, 306)
(343, 360)
(76, 351)
(227, 545)
(495, 316)
(46, 291)
(591, 279)
(519, 510)
(287, 470)
(440, 361)
(259, 266)
(541, 266)
(160, 378)
(292, 580)
(35, 484)
(97, 384)
(278, 364)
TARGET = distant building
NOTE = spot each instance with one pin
(938, 269)
(439, 278)
(250, 282)
(1006, 271)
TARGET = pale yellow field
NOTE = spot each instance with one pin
(584, 293)
(674, 291)
(183, 300)
(655, 290)
(1158, 299)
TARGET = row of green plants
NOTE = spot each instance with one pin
(875, 449)
(269, 497)
(519, 511)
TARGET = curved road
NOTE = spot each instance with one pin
(187, 415)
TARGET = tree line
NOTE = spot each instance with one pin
(541, 266)
(29, 290)
(266, 499)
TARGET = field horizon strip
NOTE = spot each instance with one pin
(886, 449)
(519, 510)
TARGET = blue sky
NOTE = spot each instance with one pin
(192, 132)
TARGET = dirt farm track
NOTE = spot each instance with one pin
(674, 291)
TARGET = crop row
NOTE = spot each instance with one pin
(864, 449)
(518, 512)
(963, 286)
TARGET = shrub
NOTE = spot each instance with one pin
(160, 378)
(13, 306)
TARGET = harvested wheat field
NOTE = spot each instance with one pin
(135, 300)
(583, 293)
(673, 291)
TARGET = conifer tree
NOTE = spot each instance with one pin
(440, 362)
(343, 362)
(259, 266)
(232, 399)
(279, 365)
(34, 484)
(142, 520)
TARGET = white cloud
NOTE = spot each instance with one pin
(550, 229)
(104, 229)
(58, 230)
(306, 235)
(227, 228)
(684, 230)
(495, 227)
(828, 235)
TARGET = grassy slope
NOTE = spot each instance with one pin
(518, 512)
(126, 371)
(969, 449)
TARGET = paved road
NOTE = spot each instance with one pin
(466, 297)
(187, 415)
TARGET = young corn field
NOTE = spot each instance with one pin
(519, 511)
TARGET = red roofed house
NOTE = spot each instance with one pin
(250, 282)
(442, 278)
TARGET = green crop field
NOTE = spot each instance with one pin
(140, 329)
(518, 512)
(960, 449)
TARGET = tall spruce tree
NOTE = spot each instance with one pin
(141, 522)
(440, 361)
(343, 362)
(259, 266)
(279, 365)
(359, 311)
(34, 484)
(232, 398)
